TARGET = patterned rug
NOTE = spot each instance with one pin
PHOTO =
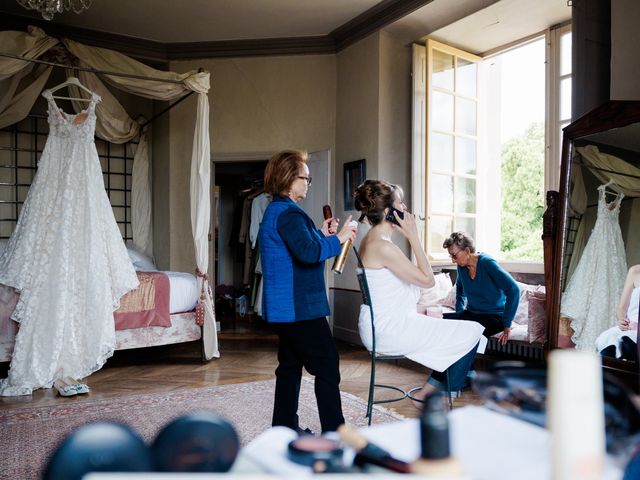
(29, 435)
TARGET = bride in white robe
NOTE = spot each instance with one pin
(446, 346)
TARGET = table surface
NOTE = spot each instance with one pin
(489, 446)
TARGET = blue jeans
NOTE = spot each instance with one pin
(457, 372)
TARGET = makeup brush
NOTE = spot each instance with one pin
(370, 453)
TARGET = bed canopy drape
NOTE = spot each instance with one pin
(21, 81)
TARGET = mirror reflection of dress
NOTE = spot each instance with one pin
(593, 291)
(67, 258)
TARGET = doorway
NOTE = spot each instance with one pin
(236, 185)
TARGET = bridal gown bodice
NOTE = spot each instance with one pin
(67, 258)
(593, 291)
(401, 330)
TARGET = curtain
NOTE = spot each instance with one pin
(622, 182)
(20, 81)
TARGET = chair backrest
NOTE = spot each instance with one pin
(366, 297)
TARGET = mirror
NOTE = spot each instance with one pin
(597, 236)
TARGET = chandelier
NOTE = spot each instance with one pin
(48, 8)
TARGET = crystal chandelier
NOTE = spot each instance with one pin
(48, 8)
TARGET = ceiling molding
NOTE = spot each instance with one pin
(134, 47)
(254, 47)
(368, 22)
(374, 19)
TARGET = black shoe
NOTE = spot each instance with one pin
(304, 431)
(466, 385)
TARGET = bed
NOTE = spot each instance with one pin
(159, 312)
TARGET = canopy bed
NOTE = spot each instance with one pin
(23, 74)
(599, 185)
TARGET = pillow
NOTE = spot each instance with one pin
(141, 261)
(435, 294)
(537, 302)
(450, 299)
(522, 314)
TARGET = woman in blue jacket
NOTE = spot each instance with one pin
(294, 302)
(485, 292)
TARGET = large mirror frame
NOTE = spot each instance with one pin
(611, 115)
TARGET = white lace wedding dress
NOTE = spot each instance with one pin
(67, 259)
(593, 291)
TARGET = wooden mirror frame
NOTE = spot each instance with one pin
(613, 114)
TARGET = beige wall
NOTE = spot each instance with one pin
(374, 123)
(374, 117)
(357, 123)
(625, 62)
(395, 112)
(258, 105)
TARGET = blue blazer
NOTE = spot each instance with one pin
(292, 255)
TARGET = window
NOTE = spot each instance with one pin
(493, 140)
(452, 143)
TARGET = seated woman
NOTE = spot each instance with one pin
(394, 284)
(621, 341)
(485, 292)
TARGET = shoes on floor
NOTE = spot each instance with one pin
(64, 389)
(304, 431)
(81, 388)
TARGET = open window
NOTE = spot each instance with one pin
(488, 144)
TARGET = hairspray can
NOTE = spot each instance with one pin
(341, 259)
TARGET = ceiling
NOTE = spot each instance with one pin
(168, 29)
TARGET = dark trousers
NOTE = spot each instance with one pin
(491, 322)
(307, 344)
(457, 371)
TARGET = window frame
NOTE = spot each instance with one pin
(553, 127)
(437, 254)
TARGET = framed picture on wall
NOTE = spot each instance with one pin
(354, 175)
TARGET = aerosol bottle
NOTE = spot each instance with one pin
(341, 259)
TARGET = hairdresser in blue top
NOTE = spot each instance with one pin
(491, 294)
(294, 301)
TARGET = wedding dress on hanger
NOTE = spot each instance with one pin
(67, 258)
(593, 291)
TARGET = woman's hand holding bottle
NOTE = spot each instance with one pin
(348, 231)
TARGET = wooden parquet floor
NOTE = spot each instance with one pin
(246, 356)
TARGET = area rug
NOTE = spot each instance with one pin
(29, 435)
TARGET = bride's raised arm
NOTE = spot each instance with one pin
(421, 273)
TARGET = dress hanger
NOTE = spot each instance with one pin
(71, 81)
(609, 183)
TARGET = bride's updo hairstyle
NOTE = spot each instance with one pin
(372, 197)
